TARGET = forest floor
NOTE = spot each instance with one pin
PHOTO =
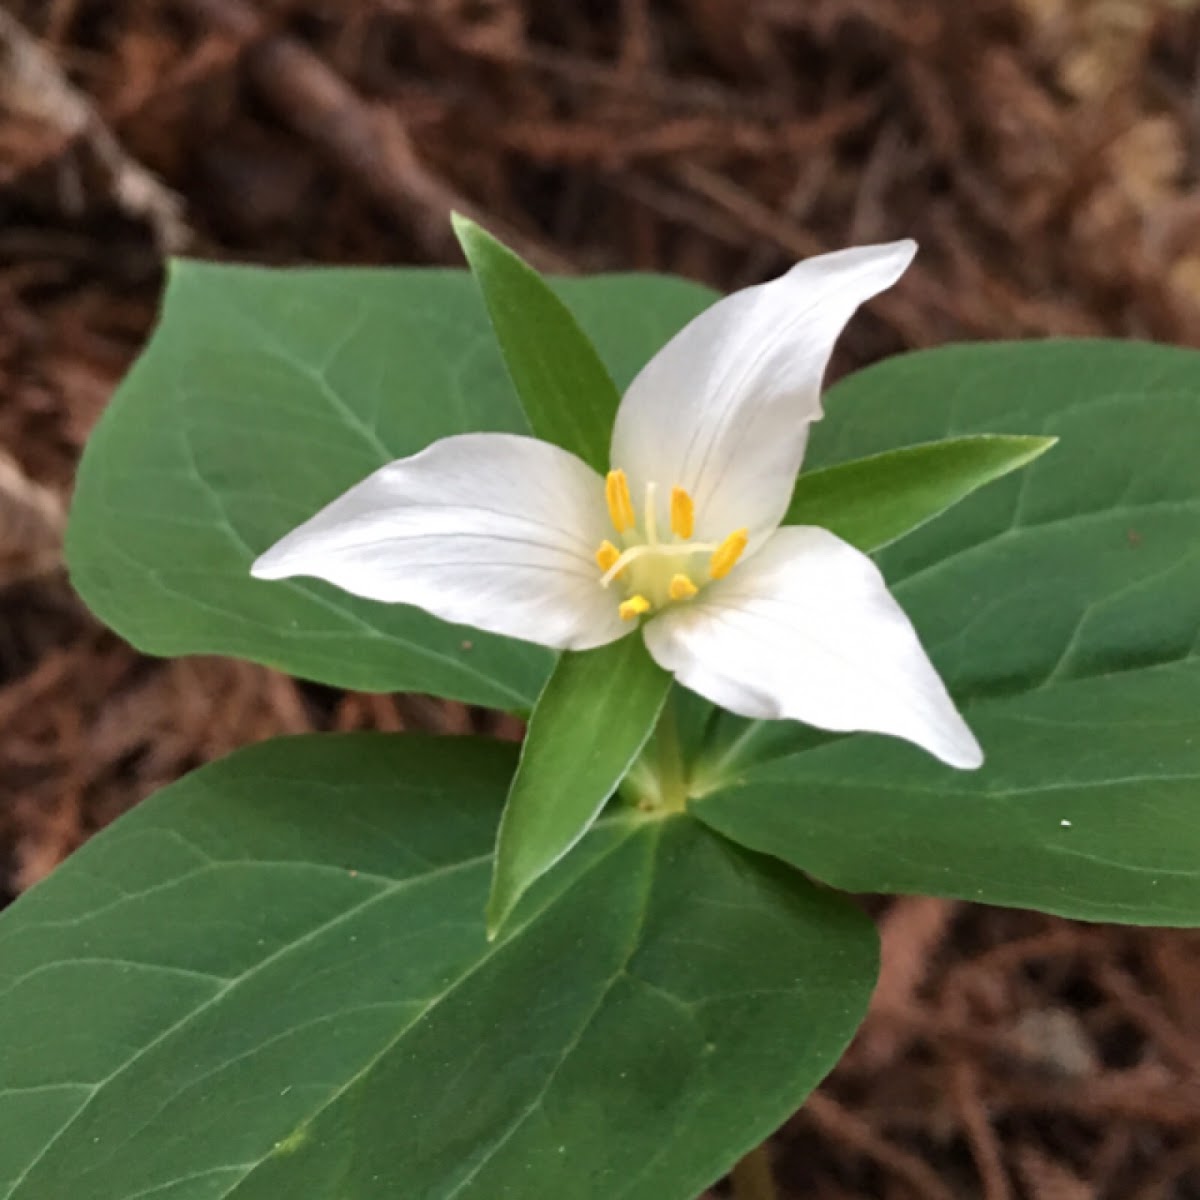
(1045, 153)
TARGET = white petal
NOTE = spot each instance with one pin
(723, 409)
(807, 630)
(483, 529)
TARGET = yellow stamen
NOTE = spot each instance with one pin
(681, 588)
(634, 607)
(607, 556)
(620, 506)
(683, 513)
(727, 553)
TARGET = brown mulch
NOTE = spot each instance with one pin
(1044, 152)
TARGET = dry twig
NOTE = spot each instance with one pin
(32, 85)
(368, 142)
(32, 519)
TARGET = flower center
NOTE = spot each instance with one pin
(652, 571)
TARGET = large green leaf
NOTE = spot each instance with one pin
(568, 396)
(1063, 607)
(1088, 806)
(591, 721)
(272, 979)
(265, 394)
(873, 501)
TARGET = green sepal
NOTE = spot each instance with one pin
(568, 396)
(592, 719)
(873, 501)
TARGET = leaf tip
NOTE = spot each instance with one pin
(1037, 445)
(494, 920)
(461, 224)
(471, 235)
(500, 903)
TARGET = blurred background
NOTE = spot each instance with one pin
(1045, 153)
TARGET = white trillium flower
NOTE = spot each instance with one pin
(681, 542)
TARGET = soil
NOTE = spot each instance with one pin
(1045, 153)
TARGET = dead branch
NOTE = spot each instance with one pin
(32, 85)
(32, 518)
(369, 143)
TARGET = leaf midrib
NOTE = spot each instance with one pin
(1016, 528)
(573, 1044)
(634, 825)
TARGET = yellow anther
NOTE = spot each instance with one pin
(725, 556)
(683, 513)
(681, 588)
(607, 556)
(635, 606)
(620, 506)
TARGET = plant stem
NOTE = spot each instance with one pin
(658, 780)
(752, 1179)
(711, 772)
(672, 776)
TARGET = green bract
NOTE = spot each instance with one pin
(289, 979)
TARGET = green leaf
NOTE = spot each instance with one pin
(1063, 608)
(568, 396)
(265, 394)
(272, 979)
(873, 501)
(591, 721)
(1086, 808)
